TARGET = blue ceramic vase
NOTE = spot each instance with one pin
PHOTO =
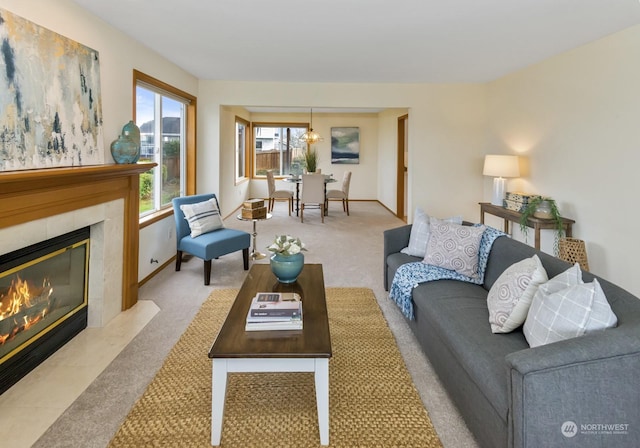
(125, 150)
(287, 268)
(133, 131)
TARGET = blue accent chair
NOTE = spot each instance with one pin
(209, 245)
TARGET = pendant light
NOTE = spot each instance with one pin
(311, 137)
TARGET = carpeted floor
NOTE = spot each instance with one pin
(373, 401)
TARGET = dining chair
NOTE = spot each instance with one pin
(278, 195)
(343, 193)
(312, 194)
(201, 233)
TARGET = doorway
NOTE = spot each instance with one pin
(402, 165)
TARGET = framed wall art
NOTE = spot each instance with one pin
(50, 103)
(345, 145)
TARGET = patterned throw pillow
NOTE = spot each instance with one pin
(454, 247)
(420, 233)
(565, 307)
(510, 296)
(202, 217)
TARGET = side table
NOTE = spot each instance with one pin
(255, 255)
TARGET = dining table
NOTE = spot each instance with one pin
(328, 179)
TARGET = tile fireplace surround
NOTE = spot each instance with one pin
(40, 204)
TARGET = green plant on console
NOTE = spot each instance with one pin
(551, 208)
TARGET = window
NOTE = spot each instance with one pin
(242, 138)
(166, 118)
(278, 147)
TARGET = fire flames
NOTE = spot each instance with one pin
(22, 305)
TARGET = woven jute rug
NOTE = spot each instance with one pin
(372, 399)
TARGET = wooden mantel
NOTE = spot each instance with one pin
(35, 194)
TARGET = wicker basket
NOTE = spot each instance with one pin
(573, 250)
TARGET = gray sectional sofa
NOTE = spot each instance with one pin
(581, 392)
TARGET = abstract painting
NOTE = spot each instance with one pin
(345, 145)
(50, 103)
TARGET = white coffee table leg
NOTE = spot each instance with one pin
(322, 398)
(218, 394)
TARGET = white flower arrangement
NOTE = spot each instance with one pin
(286, 245)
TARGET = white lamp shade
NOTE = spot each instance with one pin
(501, 166)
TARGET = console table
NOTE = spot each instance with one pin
(536, 223)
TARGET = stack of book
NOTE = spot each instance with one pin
(254, 209)
(274, 311)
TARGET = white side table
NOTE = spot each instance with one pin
(255, 255)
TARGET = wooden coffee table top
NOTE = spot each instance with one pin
(313, 341)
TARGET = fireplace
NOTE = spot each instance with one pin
(43, 301)
(41, 204)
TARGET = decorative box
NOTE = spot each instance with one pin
(254, 213)
(513, 205)
(517, 201)
(522, 198)
(253, 203)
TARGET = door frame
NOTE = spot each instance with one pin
(400, 168)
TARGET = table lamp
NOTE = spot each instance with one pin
(499, 167)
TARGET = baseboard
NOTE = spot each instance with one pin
(388, 209)
(156, 271)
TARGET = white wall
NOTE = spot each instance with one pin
(576, 119)
(158, 243)
(446, 129)
(447, 135)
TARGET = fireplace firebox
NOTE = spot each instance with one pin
(43, 301)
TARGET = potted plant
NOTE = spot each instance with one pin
(287, 260)
(311, 160)
(545, 208)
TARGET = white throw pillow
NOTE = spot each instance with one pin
(420, 233)
(454, 247)
(565, 307)
(202, 217)
(510, 296)
(601, 316)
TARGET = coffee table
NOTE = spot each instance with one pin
(306, 350)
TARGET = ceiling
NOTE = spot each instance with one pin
(382, 41)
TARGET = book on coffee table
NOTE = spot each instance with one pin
(275, 305)
(276, 297)
(274, 311)
(276, 325)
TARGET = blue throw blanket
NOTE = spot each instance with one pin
(410, 275)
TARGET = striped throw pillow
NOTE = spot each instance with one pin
(202, 217)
